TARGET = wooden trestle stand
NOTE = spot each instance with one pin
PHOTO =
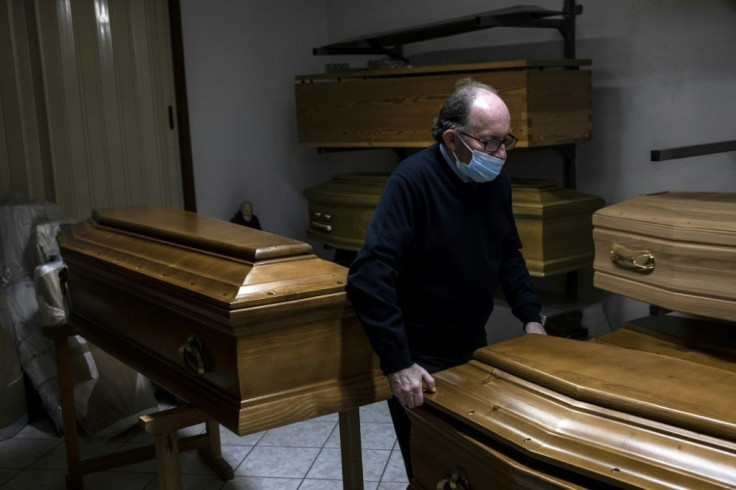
(163, 426)
(251, 328)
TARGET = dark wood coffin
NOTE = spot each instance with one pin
(250, 327)
(548, 412)
(676, 250)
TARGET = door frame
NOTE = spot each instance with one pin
(182, 107)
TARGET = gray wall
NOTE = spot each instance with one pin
(241, 58)
(664, 75)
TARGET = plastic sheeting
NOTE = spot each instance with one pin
(18, 257)
(109, 396)
(13, 413)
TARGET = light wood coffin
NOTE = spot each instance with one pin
(549, 105)
(250, 327)
(676, 250)
(708, 342)
(548, 412)
(555, 226)
(341, 209)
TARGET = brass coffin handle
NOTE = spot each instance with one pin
(191, 354)
(641, 261)
(321, 226)
(456, 481)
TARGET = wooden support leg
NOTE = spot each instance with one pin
(168, 462)
(212, 454)
(163, 426)
(352, 459)
(68, 412)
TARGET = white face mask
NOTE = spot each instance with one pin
(481, 168)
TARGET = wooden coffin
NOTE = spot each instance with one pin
(549, 105)
(341, 209)
(548, 412)
(697, 340)
(554, 223)
(676, 250)
(248, 326)
(555, 226)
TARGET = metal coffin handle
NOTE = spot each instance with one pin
(191, 354)
(456, 481)
(641, 261)
(321, 226)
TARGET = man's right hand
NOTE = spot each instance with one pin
(406, 385)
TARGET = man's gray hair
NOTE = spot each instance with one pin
(456, 108)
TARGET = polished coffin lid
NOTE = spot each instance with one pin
(699, 217)
(673, 249)
(225, 264)
(159, 244)
(361, 189)
(619, 416)
(544, 199)
(250, 327)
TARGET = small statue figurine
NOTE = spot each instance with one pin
(245, 216)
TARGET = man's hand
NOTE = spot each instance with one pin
(406, 385)
(535, 327)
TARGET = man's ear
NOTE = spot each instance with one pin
(449, 138)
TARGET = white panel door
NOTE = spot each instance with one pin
(109, 89)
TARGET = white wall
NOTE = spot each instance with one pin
(664, 75)
(241, 58)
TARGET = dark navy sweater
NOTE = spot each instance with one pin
(423, 284)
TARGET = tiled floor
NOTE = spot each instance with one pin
(305, 455)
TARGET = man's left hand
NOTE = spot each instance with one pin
(535, 327)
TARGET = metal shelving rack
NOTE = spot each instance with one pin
(391, 44)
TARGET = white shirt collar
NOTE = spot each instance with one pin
(451, 162)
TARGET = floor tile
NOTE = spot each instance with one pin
(330, 417)
(300, 434)
(37, 480)
(372, 436)
(282, 462)
(375, 412)
(391, 486)
(56, 458)
(7, 474)
(193, 482)
(192, 462)
(395, 469)
(117, 480)
(21, 453)
(230, 438)
(377, 436)
(311, 484)
(258, 483)
(277, 459)
(39, 429)
(328, 465)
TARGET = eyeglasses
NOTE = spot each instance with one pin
(492, 146)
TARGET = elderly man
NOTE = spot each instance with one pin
(441, 239)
